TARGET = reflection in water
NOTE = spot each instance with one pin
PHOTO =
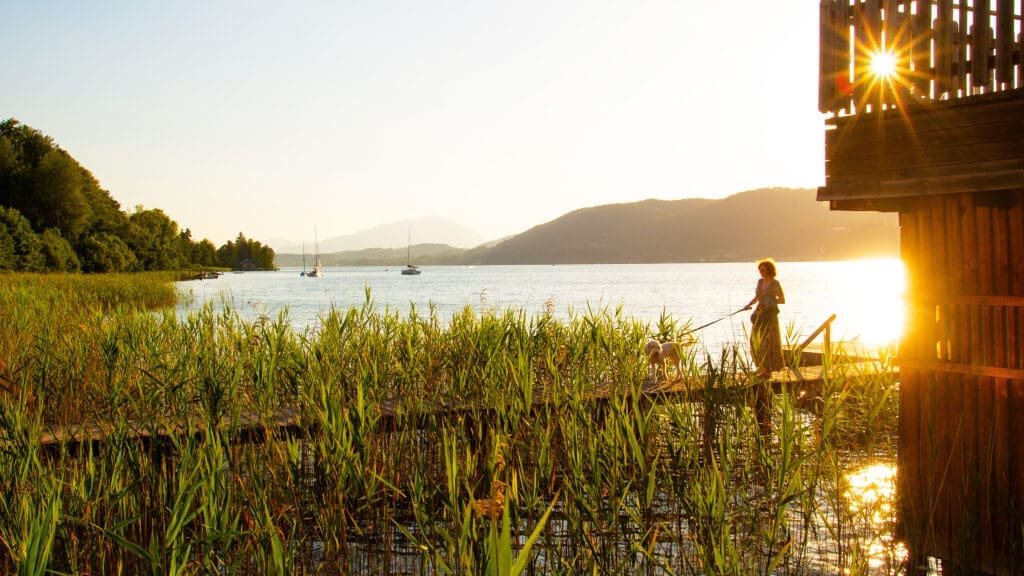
(870, 494)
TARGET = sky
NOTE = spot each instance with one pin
(275, 118)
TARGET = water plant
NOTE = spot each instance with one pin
(486, 442)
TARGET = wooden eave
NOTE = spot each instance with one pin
(877, 160)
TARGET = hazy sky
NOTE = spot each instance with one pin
(271, 118)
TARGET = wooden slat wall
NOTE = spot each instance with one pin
(961, 465)
(976, 50)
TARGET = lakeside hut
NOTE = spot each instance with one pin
(924, 108)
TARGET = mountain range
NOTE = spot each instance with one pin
(784, 223)
(434, 229)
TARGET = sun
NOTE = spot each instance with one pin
(883, 64)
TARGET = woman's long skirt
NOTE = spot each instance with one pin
(766, 341)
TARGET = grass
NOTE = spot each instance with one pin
(572, 486)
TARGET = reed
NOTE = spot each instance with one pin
(418, 445)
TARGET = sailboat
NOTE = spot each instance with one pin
(409, 269)
(317, 270)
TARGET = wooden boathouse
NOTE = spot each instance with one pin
(924, 105)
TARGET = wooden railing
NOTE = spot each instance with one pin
(825, 327)
(941, 50)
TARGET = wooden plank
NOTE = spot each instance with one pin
(872, 21)
(1002, 452)
(963, 43)
(924, 115)
(1015, 425)
(891, 25)
(845, 81)
(985, 124)
(945, 76)
(887, 159)
(920, 187)
(970, 279)
(900, 161)
(909, 233)
(937, 324)
(863, 46)
(1020, 46)
(855, 152)
(932, 295)
(919, 276)
(947, 367)
(829, 44)
(985, 262)
(1004, 44)
(921, 49)
(1015, 279)
(908, 483)
(981, 44)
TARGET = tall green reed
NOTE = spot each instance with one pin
(414, 443)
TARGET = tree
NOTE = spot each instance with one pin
(245, 253)
(25, 249)
(57, 204)
(106, 214)
(58, 253)
(204, 253)
(57, 195)
(104, 252)
(7, 259)
(22, 152)
(153, 236)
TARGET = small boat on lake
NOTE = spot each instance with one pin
(317, 270)
(409, 269)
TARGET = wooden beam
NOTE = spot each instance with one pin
(960, 369)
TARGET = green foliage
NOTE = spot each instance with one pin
(7, 259)
(59, 255)
(154, 239)
(25, 248)
(59, 200)
(105, 252)
(202, 253)
(244, 253)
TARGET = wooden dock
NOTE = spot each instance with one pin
(803, 382)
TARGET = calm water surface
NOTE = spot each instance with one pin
(866, 295)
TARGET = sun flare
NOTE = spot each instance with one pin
(883, 64)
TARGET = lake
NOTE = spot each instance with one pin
(866, 295)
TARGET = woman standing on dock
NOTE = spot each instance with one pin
(765, 338)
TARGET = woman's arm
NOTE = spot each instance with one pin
(780, 295)
(757, 293)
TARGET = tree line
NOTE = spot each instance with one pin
(54, 216)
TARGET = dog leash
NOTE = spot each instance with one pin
(703, 326)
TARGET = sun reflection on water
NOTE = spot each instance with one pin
(871, 494)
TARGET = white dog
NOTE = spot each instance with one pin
(660, 353)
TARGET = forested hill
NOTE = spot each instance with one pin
(784, 223)
(54, 216)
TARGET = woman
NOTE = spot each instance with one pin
(765, 338)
